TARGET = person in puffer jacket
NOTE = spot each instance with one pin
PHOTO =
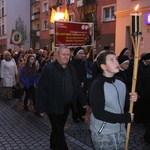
(29, 78)
(108, 99)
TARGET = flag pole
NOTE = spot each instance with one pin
(136, 34)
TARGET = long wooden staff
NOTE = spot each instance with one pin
(136, 44)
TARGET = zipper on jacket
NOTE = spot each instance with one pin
(102, 127)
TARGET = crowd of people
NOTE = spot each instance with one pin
(96, 87)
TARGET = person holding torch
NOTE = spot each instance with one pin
(108, 99)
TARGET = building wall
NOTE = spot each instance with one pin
(3, 37)
(44, 34)
(130, 4)
(124, 9)
(107, 28)
(15, 9)
(107, 42)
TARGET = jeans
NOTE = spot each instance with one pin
(57, 137)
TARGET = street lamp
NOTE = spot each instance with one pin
(59, 16)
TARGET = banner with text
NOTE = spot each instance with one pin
(74, 33)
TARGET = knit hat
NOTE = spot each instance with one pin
(123, 59)
(77, 50)
(146, 56)
(123, 51)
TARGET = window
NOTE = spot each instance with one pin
(108, 13)
(45, 25)
(38, 26)
(1, 47)
(3, 30)
(37, 45)
(2, 3)
(79, 3)
(71, 17)
(89, 17)
(70, 1)
(45, 7)
(2, 11)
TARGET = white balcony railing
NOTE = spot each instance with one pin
(51, 31)
(38, 33)
(79, 3)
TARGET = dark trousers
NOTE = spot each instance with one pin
(147, 133)
(142, 111)
(80, 110)
(29, 93)
(57, 137)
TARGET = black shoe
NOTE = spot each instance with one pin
(25, 108)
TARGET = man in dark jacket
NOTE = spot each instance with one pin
(57, 90)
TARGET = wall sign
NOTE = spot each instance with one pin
(147, 18)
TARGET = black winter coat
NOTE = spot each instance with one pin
(50, 91)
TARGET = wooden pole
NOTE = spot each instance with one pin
(136, 35)
(134, 79)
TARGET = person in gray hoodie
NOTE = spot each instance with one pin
(108, 99)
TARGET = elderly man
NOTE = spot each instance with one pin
(57, 90)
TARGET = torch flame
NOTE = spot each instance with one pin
(136, 8)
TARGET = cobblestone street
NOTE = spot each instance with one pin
(21, 130)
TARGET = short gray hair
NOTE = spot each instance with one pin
(61, 47)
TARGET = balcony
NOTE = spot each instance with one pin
(38, 33)
(56, 3)
(35, 16)
(88, 2)
(51, 32)
(34, 1)
(79, 3)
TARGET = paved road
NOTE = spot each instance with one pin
(21, 130)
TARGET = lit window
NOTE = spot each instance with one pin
(108, 13)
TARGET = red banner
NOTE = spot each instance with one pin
(16, 37)
(73, 33)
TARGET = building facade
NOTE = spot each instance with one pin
(107, 23)
(35, 24)
(124, 9)
(111, 20)
(14, 16)
(101, 13)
